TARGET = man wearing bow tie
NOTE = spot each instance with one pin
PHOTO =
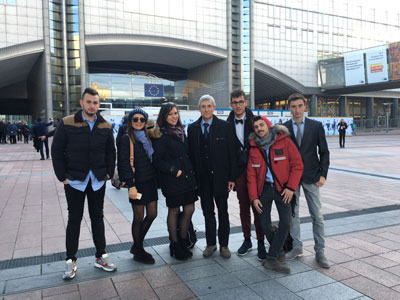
(241, 118)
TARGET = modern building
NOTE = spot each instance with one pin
(145, 52)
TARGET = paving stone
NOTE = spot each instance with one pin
(29, 283)
(338, 272)
(98, 289)
(389, 244)
(126, 277)
(234, 264)
(35, 295)
(250, 276)
(176, 291)
(356, 252)
(373, 273)
(200, 272)
(366, 246)
(160, 277)
(303, 281)
(336, 256)
(296, 266)
(213, 284)
(190, 264)
(371, 288)
(273, 290)
(380, 262)
(59, 290)
(67, 296)
(138, 289)
(333, 291)
(335, 244)
(394, 255)
(8, 274)
(239, 293)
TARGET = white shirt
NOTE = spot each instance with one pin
(239, 128)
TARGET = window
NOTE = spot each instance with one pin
(11, 2)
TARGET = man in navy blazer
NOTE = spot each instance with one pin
(309, 136)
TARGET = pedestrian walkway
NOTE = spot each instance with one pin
(360, 205)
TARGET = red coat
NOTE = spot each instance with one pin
(286, 161)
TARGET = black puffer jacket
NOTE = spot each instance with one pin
(76, 149)
(171, 155)
(144, 170)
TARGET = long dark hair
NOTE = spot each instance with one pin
(163, 114)
(130, 131)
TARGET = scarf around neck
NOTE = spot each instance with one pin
(266, 143)
(141, 137)
(176, 131)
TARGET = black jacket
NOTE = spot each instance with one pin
(3, 127)
(76, 149)
(40, 128)
(313, 150)
(171, 155)
(223, 153)
(342, 127)
(242, 152)
(144, 170)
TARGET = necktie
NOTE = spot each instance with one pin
(206, 129)
(238, 121)
(298, 136)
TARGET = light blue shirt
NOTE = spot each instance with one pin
(209, 123)
(268, 177)
(81, 185)
(301, 127)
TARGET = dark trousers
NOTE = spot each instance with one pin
(276, 240)
(13, 139)
(342, 136)
(19, 136)
(207, 205)
(76, 202)
(26, 137)
(244, 205)
(46, 144)
(3, 138)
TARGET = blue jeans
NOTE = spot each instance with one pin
(311, 192)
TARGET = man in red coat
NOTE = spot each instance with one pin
(273, 173)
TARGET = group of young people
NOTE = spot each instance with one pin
(263, 163)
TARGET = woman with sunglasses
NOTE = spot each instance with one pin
(178, 184)
(141, 180)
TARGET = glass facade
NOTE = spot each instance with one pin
(138, 89)
(246, 46)
(65, 56)
(57, 58)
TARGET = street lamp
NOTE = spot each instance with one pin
(387, 107)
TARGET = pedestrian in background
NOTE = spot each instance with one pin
(342, 132)
(12, 132)
(40, 131)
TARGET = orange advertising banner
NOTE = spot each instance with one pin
(394, 60)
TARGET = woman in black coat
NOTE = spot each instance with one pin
(141, 180)
(176, 176)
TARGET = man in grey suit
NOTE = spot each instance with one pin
(309, 136)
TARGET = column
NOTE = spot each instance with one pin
(395, 112)
(313, 106)
(370, 112)
(343, 112)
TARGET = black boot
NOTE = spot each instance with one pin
(143, 257)
(177, 251)
(184, 244)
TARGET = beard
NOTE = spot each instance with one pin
(89, 113)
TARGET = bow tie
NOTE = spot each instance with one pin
(238, 121)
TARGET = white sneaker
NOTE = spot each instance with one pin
(70, 269)
(104, 263)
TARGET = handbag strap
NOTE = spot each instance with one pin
(131, 156)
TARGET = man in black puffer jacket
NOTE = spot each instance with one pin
(83, 154)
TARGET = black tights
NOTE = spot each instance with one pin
(141, 224)
(172, 221)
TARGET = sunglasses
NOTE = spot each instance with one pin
(136, 120)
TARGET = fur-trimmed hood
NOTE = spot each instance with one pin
(282, 132)
(153, 130)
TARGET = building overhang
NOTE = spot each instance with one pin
(17, 61)
(151, 49)
(271, 84)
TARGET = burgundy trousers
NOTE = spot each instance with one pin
(244, 205)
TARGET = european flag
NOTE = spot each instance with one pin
(153, 90)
